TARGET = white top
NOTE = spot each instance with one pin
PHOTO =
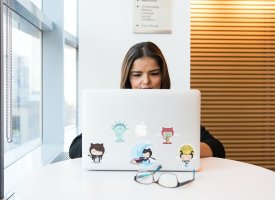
(217, 179)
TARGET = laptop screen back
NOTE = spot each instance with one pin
(137, 129)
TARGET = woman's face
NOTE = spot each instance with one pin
(145, 74)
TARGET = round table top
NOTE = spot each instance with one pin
(216, 179)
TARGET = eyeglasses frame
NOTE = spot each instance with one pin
(152, 172)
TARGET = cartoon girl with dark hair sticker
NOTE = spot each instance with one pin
(96, 152)
(186, 154)
(146, 157)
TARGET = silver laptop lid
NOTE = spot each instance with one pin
(136, 129)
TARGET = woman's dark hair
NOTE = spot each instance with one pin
(144, 49)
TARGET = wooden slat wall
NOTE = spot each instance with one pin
(233, 64)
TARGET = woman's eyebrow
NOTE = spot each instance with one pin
(155, 70)
(135, 72)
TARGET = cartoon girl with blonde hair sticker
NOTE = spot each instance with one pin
(186, 154)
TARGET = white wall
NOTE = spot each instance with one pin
(105, 35)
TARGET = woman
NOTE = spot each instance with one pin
(144, 67)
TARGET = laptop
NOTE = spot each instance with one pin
(128, 129)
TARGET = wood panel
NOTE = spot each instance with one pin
(233, 64)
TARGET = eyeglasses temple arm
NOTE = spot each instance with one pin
(188, 181)
(158, 168)
(153, 172)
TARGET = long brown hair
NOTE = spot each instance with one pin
(144, 49)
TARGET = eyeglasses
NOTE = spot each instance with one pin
(165, 179)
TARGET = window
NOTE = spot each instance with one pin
(70, 72)
(26, 90)
(70, 81)
(31, 27)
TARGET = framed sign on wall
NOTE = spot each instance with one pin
(152, 16)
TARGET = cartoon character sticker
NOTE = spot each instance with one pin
(142, 155)
(186, 154)
(167, 134)
(96, 152)
(119, 128)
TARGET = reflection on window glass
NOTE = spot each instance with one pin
(70, 93)
(70, 16)
(26, 85)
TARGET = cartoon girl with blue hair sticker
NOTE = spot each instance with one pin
(142, 155)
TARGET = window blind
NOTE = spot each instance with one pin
(233, 65)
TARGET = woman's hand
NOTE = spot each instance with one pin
(205, 150)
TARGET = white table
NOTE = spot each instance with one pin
(217, 179)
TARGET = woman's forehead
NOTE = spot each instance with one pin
(145, 63)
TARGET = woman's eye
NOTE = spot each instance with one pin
(136, 75)
(155, 73)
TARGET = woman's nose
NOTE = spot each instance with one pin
(145, 80)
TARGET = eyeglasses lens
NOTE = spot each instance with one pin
(168, 180)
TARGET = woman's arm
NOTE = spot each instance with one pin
(210, 146)
(75, 150)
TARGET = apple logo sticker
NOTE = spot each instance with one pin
(141, 129)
